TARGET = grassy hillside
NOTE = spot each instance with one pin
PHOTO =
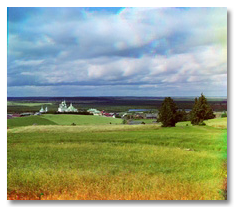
(28, 121)
(117, 162)
(61, 119)
(65, 119)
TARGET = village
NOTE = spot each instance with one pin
(64, 108)
(129, 116)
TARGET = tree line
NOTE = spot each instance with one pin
(169, 114)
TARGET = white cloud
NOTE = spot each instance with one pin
(28, 62)
(148, 47)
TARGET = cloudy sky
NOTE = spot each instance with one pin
(117, 51)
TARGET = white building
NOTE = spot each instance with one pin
(63, 107)
(42, 110)
(94, 112)
(71, 108)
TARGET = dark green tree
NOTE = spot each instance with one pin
(182, 115)
(201, 111)
(168, 113)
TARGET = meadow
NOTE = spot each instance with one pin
(29, 104)
(61, 119)
(27, 121)
(117, 162)
(65, 119)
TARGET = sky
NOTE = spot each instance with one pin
(139, 51)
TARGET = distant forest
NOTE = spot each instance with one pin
(111, 104)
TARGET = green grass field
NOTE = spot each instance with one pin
(61, 119)
(14, 103)
(21, 107)
(117, 162)
(28, 120)
(147, 121)
(65, 119)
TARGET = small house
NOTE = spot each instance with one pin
(94, 112)
(151, 116)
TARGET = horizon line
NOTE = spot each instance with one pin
(102, 96)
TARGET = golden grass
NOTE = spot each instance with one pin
(80, 128)
(127, 187)
(122, 162)
(220, 123)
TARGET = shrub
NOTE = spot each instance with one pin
(224, 115)
(202, 124)
(124, 121)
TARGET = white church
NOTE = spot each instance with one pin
(63, 107)
(42, 110)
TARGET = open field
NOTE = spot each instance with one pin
(147, 121)
(14, 103)
(61, 119)
(65, 119)
(27, 121)
(118, 162)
